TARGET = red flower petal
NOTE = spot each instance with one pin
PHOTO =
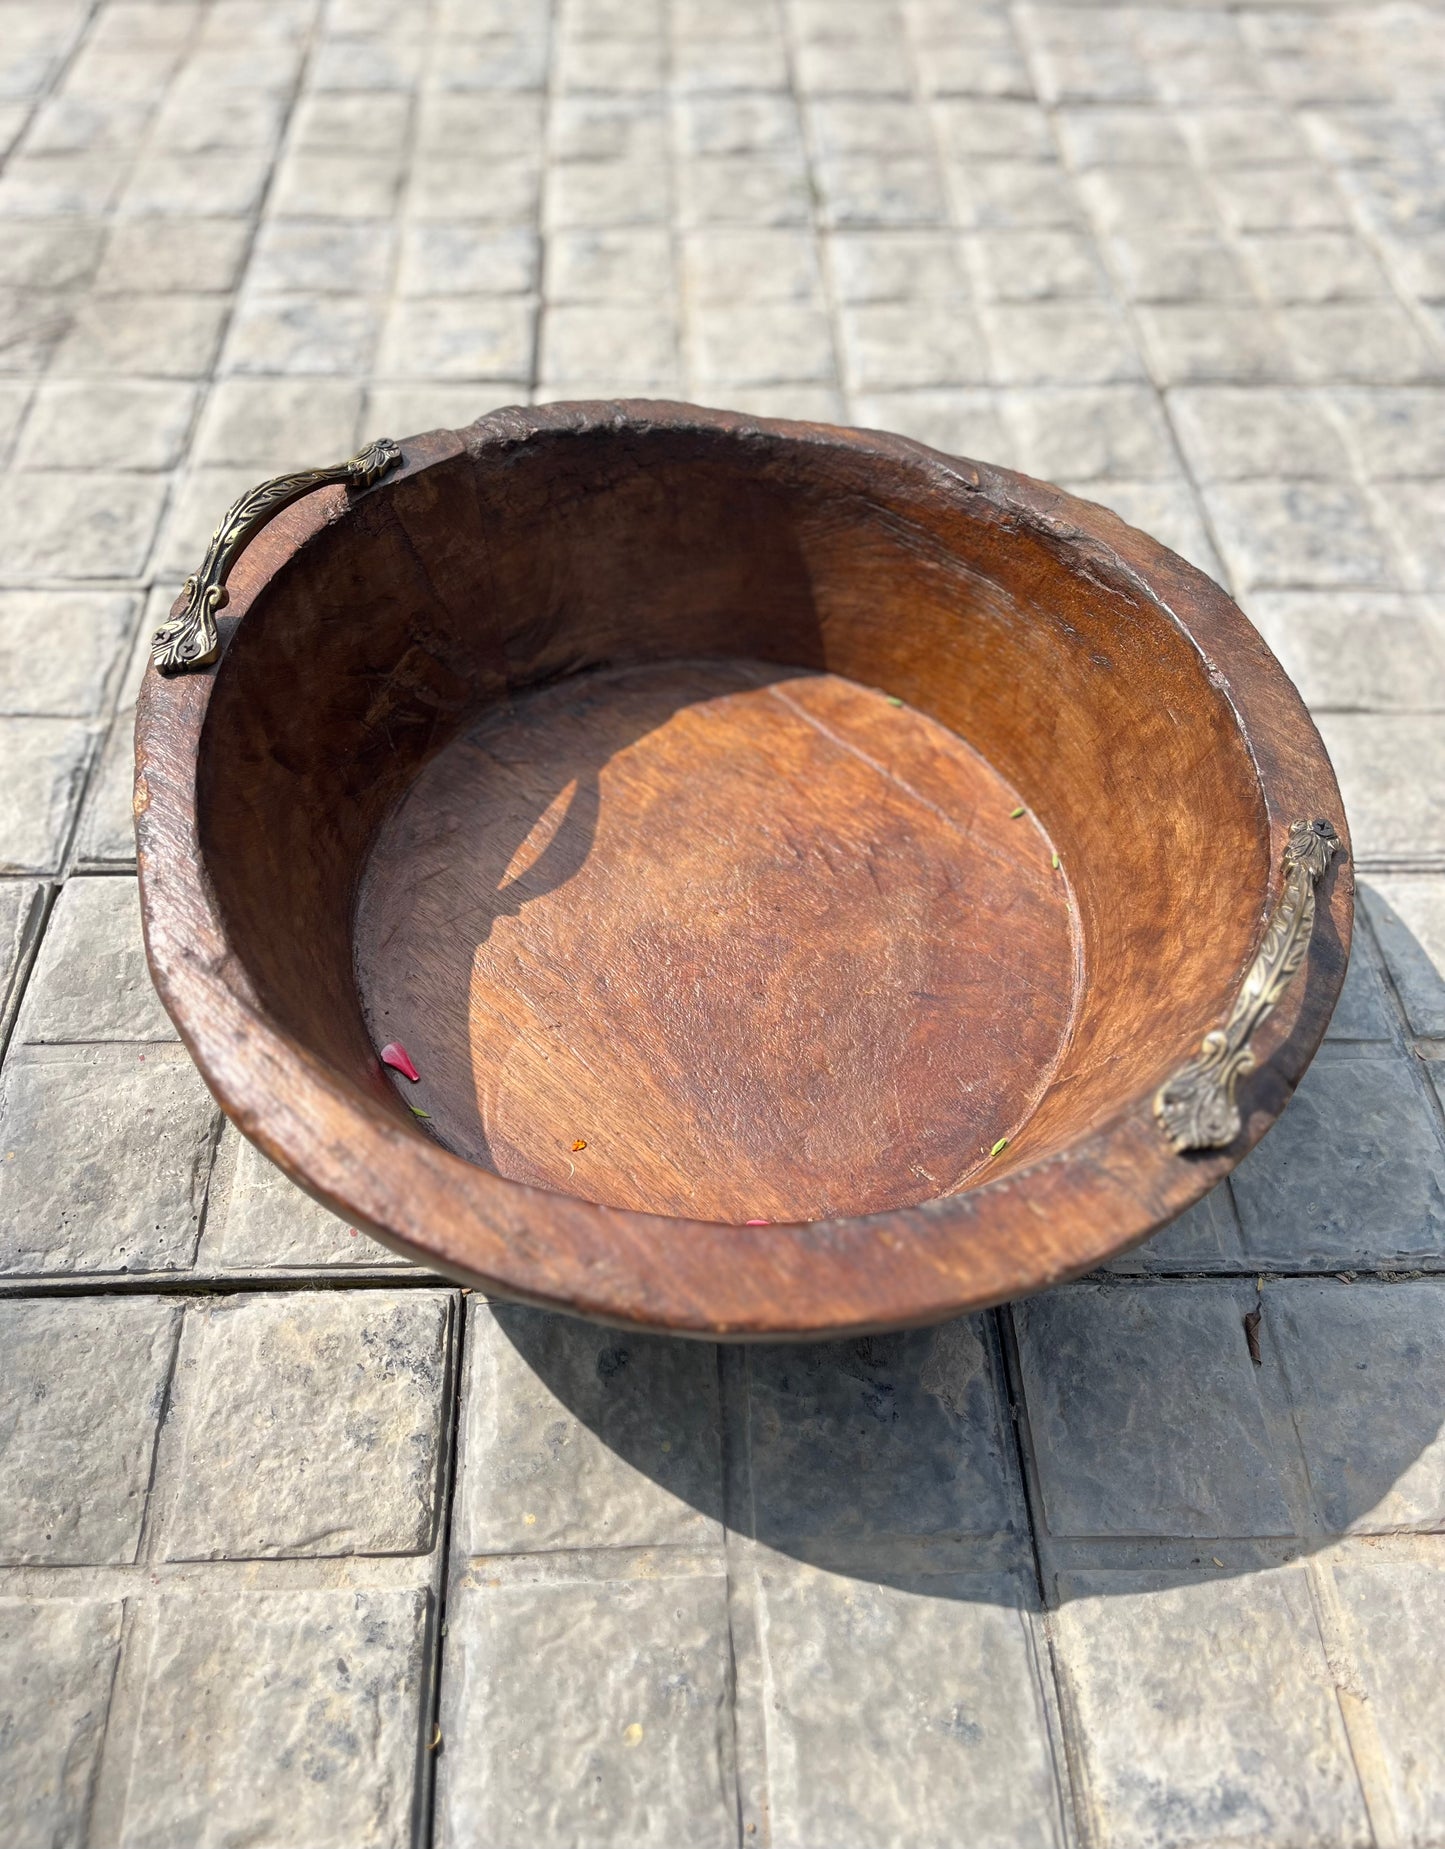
(395, 1055)
(757, 1222)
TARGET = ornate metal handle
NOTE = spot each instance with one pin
(1196, 1108)
(189, 640)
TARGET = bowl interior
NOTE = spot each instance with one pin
(660, 791)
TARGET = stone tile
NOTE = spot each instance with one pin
(1369, 650)
(294, 1716)
(952, 1693)
(111, 1153)
(464, 259)
(196, 256)
(1392, 774)
(876, 67)
(1027, 266)
(78, 525)
(1366, 1369)
(404, 409)
(743, 189)
(604, 194)
(338, 119)
(1374, 343)
(1073, 343)
(1364, 1010)
(275, 424)
(608, 128)
(1297, 198)
(1304, 534)
(1012, 195)
(103, 424)
(723, 266)
(90, 981)
(1243, 135)
(881, 189)
(1124, 199)
(1395, 1610)
(1206, 1712)
(738, 343)
(1408, 913)
(971, 128)
(1414, 510)
(1168, 1365)
(225, 185)
(31, 325)
(58, 649)
(322, 257)
(888, 345)
(603, 339)
(1352, 1174)
(870, 125)
(313, 1425)
(261, 1220)
(878, 1437)
(1395, 433)
(329, 184)
(814, 404)
(1195, 344)
(1184, 271)
(899, 266)
(296, 333)
(608, 65)
(42, 767)
(1239, 433)
(1074, 434)
(460, 337)
(21, 917)
(57, 1665)
(51, 253)
(455, 186)
(960, 423)
(622, 264)
(37, 185)
(82, 1386)
(1322, 266)
(166, 336)
(582, 1437)
(629, 1679)
(189, 121)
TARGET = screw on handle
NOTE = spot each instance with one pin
(189, 638)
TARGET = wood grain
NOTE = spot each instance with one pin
(767, 944)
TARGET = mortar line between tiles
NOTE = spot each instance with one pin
(424, 1799)
(1069, 1782)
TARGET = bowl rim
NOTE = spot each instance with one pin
(1031, 1227)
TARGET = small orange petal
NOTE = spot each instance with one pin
(579, 1144)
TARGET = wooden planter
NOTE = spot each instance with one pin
(804, 868)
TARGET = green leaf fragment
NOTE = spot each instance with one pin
(1014, 814)
(999, 1146)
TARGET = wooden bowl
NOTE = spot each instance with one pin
(794, 860)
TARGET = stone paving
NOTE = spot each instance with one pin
(300, 1546)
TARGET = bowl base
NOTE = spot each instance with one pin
(721, 940)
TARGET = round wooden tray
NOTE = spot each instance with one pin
(803, 868)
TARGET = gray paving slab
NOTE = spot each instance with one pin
(1206, 1712)
(111, 1152)
(900, 1714)
(82, 1387)
(90, 982)
(283, 1717)
(312, 1425)
(1144, 1412)
(1353, 1173)
(576, 1437)
(1366, 1368)
(621, 1733)
(57, 1664)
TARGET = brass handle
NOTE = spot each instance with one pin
(1196, 1108)
(189, 640)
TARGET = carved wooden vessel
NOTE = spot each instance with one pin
(823, 885)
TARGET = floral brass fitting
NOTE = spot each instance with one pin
(1196, 1108)
(189, 637)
